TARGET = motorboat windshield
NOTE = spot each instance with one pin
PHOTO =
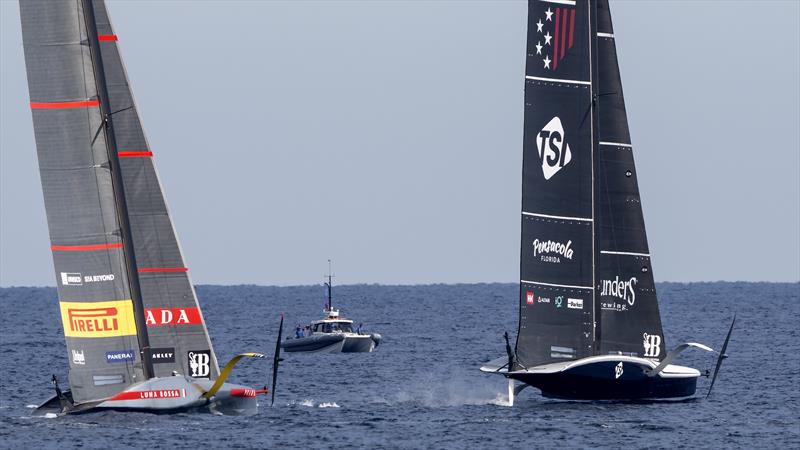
(333, 327)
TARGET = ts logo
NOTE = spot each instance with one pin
(200, 364)
(652, 345)
(554, 152)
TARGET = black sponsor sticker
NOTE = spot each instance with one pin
(199, 363)
(162, 355)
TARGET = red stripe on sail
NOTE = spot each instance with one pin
(64, 105)
(555, 42)
(107, 37)
(571, 27)
(135, 154)
(162, 269)
(564, 32)
(84, 248)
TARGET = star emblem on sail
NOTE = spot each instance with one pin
(554, 151)
(557, 27)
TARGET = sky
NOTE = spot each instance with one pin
(387, 136)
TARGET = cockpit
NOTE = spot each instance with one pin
(333, 327)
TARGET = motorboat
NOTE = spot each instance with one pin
(333, 333)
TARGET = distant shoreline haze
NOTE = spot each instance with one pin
(658, 283)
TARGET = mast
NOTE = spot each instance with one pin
(119, 191)
(594, 76)
(330, 287)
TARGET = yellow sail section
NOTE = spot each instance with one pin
(98, 319)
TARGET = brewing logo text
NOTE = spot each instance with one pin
(620, 289)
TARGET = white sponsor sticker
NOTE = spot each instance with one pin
(575, 303)
(71, 279)
(554, 152)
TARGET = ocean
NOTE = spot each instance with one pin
(422, 387)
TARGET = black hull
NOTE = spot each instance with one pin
(599, 381)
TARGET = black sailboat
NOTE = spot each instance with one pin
(589, 323)
(135, 334)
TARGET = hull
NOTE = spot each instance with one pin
(360, 344)
(333, 343)
(608, 378)
(322, 343)
(163, 395)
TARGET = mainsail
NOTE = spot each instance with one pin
(630, 322)
(586, 286)
(108, 224)
(178, 335)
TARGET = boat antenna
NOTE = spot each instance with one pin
(329, 285)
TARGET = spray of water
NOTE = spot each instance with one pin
(449, 390)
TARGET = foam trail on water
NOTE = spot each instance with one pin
(448, 390)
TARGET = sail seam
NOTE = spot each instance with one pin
(141, 154)
(65, 105)
(557, 285)
(558, 80)
(83, 248)
(615, 144)
(162, 269)
(609, 252)
(548, 216)
(560, 2)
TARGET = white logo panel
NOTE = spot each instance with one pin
(554, 152)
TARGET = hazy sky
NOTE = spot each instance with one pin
(388, 137)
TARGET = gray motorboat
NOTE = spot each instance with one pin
(332, 334)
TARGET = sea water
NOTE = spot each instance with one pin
(422, 387)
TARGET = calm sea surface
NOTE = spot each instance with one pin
(422, 387)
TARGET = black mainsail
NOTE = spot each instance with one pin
(124, 293)
(630, 322)
(589, 325)
(556, 256)
(586, 285)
